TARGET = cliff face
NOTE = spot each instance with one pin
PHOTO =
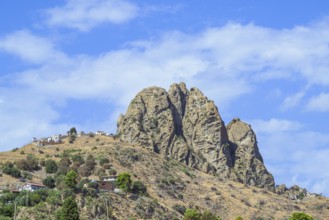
(249, 167)
(186, 125)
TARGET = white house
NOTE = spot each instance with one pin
(32, 187)
(56, 138)
(100, 133)
(109, 178)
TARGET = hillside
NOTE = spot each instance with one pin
(169, 184)
(178, 154)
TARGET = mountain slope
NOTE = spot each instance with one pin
(171, 186)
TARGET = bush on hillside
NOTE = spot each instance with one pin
(300, 216)
(10, 169)
(77, 159)
(49, 181)
(103, 161)
(51, 166)
(30, 163)
(191, 214)
(69, 211)
(123, 181)
(70, 179)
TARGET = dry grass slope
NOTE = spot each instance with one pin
(171, 184)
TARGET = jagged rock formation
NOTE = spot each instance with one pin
(186, 125)
(294, 192)
(248, 162)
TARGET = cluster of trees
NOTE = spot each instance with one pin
(9, 200)
(125, 183)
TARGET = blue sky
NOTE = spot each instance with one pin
(79, 63)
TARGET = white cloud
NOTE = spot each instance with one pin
(319, 103)
(297, 157)
(87, 14)
(292, 101)
(31, 48)
(275, 125)
(225, 62)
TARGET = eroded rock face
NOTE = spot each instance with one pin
(248, 162)
(186, 125)
(294, 192)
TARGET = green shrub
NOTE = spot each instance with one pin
(207, 215)
(70, 179)
(49, 181)
(7, 210)
(77, 159)
(300, 216)
(27, 175)
(191, 214)
(51, 166)
(123, 181)
(69, 211)
(9, 169)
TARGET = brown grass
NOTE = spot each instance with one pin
(191, 188)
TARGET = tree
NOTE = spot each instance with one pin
(69, 210)
(73, 131)
(70, 179)
(49, 181)
(51, 166)
(300, 216)
(7, 210)
(123, 181)
(192, 214)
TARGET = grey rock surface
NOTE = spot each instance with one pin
(186, 125)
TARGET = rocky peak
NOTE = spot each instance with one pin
(186, 125)
(248, 162)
